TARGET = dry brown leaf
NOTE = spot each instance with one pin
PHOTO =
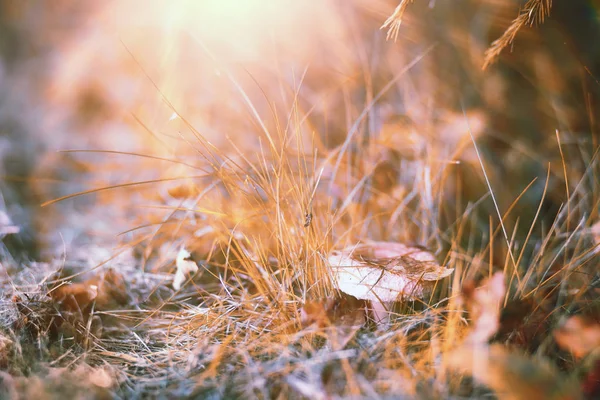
(512, 375)
(74, 297)
(76, 301)
(82, 382)
(36, 315)
(111, 288)
(526, 322)
(108, 290)
(5, 347)
(340, 318)
(315, 312)
(184, 191)
(591, 383)
(484, 304)
(185, 267)
(7, 386)
(101, 378)
(579, 336)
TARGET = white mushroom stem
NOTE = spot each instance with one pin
(381, 312)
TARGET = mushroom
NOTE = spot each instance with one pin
(385, 272)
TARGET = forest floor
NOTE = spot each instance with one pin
(320, 234)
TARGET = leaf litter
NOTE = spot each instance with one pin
(269, 324)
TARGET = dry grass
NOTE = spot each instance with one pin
(395, 20)
(235, 328)
(533, 12)
(259, 214)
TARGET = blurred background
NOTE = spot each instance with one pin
(151, 77)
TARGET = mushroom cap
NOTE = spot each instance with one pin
(385, 271)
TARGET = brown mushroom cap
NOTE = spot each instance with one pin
(385, 271)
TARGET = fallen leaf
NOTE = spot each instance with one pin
(484, 304)
(339, 318)
(315, 312)
(112, 290)
(101, 378)
(185, 266)
(108, 290)
(512, 375)
(579, 336)
(81, 382)
(74, 297)
(7, 386)
(184, 191)
(5, 348)
(591, 383)
(526, 322)
(72, 304)
(37, 315)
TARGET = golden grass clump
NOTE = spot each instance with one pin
(212, 239)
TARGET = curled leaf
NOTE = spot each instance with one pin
(484, 304)
(108, 290)
(6, 345)
(579, 336)
(112, 290)
(339, 318)
(513, 375)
